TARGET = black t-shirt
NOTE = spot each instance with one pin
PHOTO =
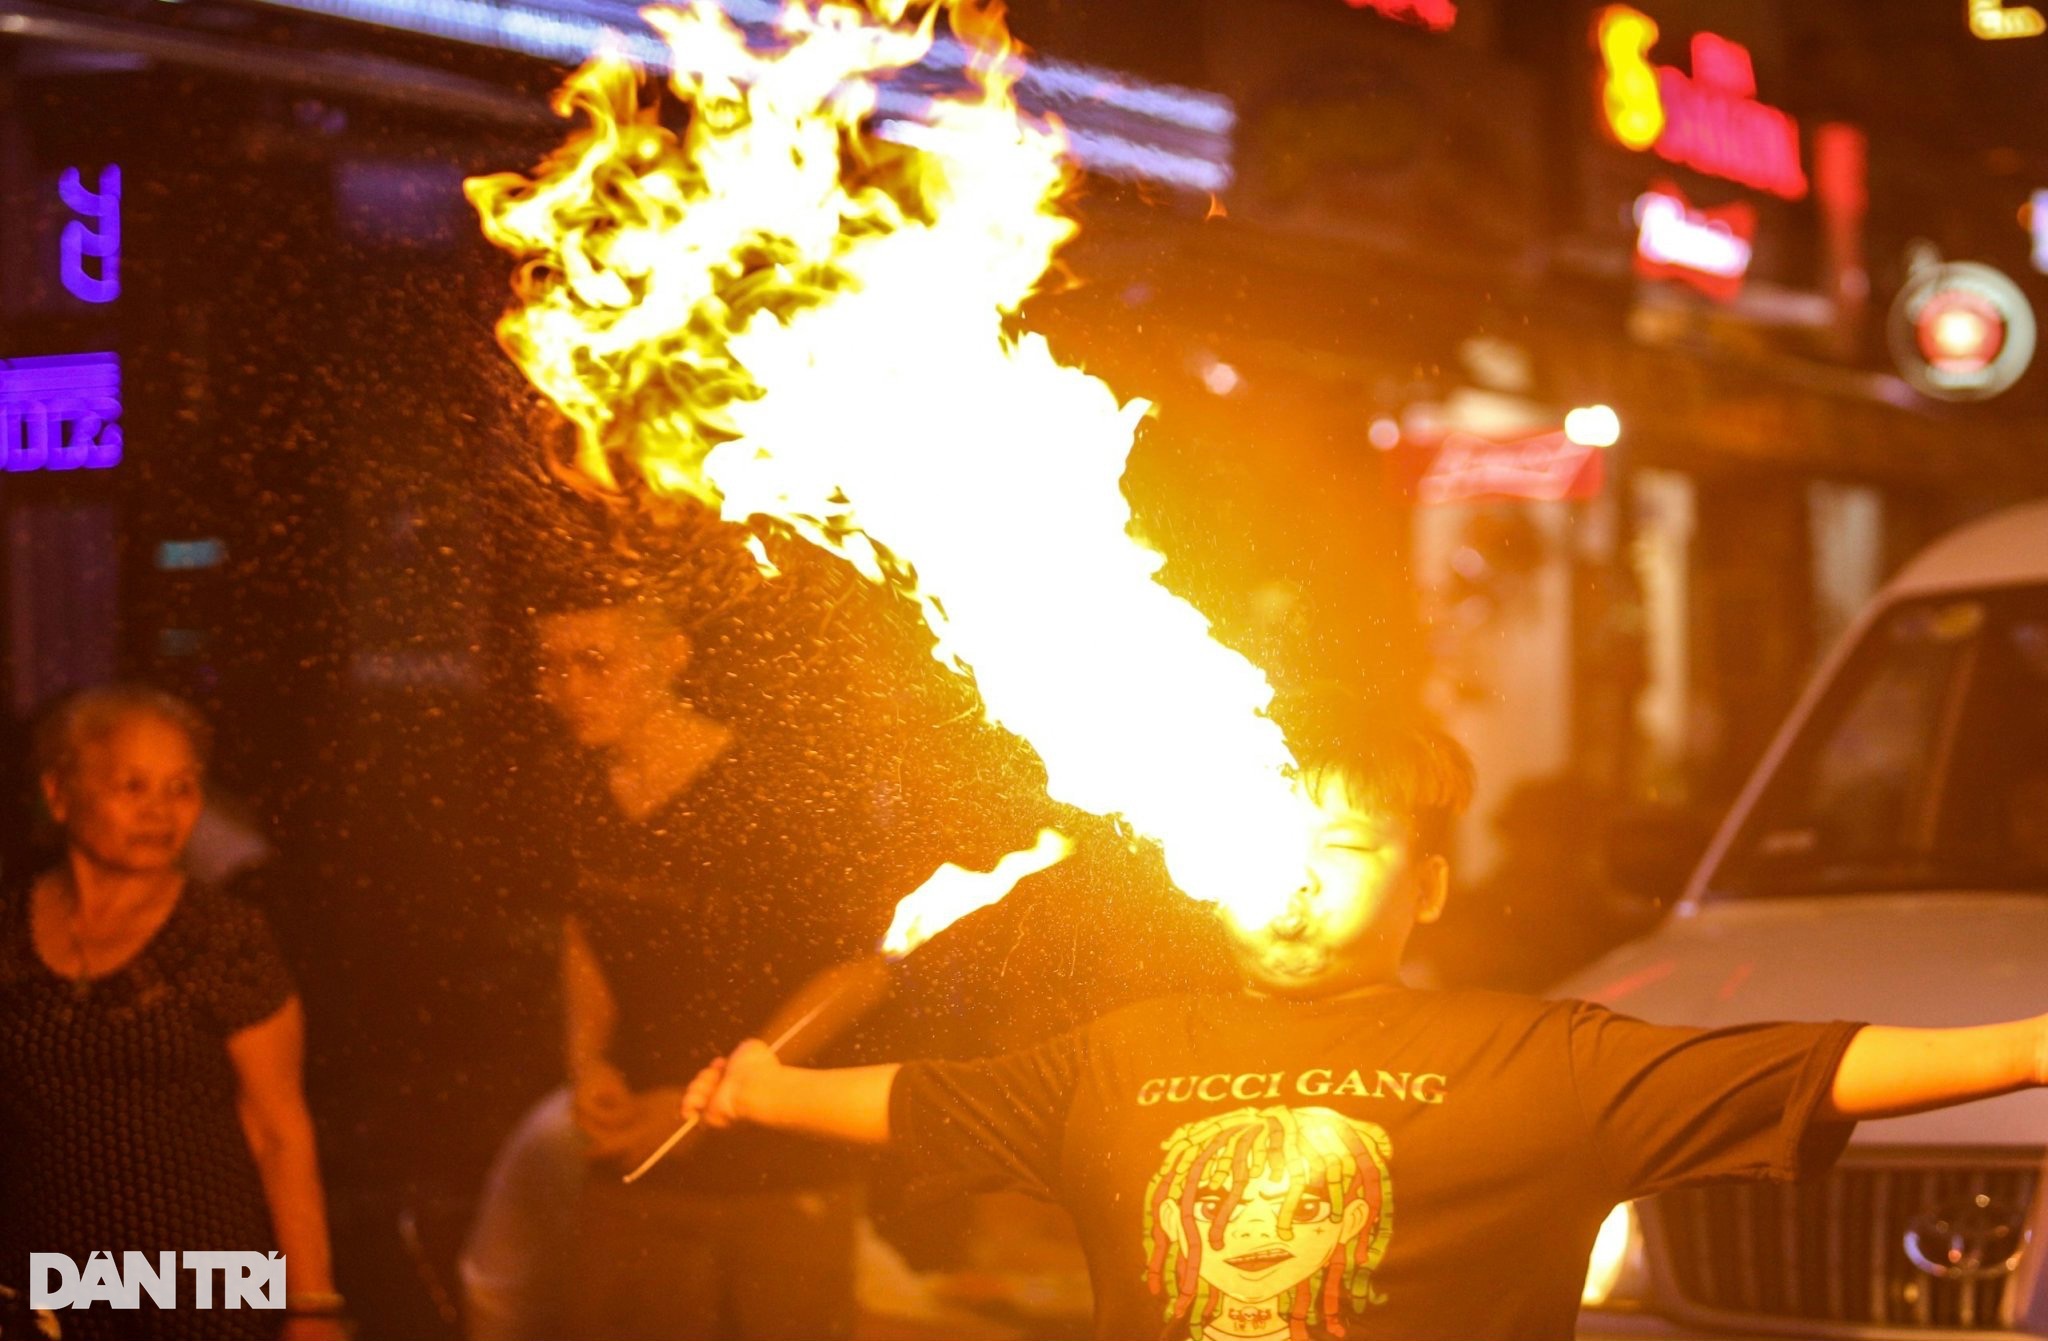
(708, 914)
(1401, 1164)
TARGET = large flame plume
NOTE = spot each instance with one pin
(795, 309)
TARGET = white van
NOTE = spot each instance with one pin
(1888, 861)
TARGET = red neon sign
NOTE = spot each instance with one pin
(1436, 15)
(1463, 467)
(1709, 249)
(1709, 120)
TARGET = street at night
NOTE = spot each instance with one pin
(947, 670)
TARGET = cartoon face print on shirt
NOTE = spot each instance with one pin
(1269, 1221)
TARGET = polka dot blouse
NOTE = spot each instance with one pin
(118, 1127)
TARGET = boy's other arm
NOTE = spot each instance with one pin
(1889, 1072)
(846, 1104)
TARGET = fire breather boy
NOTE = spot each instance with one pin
(1328, 1153)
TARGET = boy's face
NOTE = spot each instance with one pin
(1365, 888)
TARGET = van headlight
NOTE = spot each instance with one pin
(1614, 1273)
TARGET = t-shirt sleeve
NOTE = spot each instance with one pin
(243, 977)
(1667, 1106)
(958, 1127)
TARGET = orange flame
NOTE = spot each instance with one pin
(782, 314)
(952, 892)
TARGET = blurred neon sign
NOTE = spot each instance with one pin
(1960, 330)
(60, 412)
(1994, 21)
(1439, 16)
(2037, 225)
(1709, 121)
(1116, 124)
(191, 556)
(90, 245)
(1545, 467)
(1709, 249)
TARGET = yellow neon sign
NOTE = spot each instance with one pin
(1628, 85)
(1994, 20)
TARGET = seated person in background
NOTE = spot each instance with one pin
(1325, 1152)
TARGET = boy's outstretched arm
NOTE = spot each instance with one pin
(1890, 1072)
(847, 1104)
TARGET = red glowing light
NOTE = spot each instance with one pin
(1436, 15)
(1960, 332)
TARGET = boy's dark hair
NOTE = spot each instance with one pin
(1393, 756)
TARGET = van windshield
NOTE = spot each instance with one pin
(1925, 766)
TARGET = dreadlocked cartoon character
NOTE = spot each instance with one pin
(1268, 1223)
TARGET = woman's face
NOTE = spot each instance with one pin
(131, 798)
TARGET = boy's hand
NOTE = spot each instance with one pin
(728, 1091)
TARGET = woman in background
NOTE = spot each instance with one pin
(151, 1039)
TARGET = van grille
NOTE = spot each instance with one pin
(1831, 1250)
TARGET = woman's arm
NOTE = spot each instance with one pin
(271, 1100)
(1890, 1072)
(848, 1104)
